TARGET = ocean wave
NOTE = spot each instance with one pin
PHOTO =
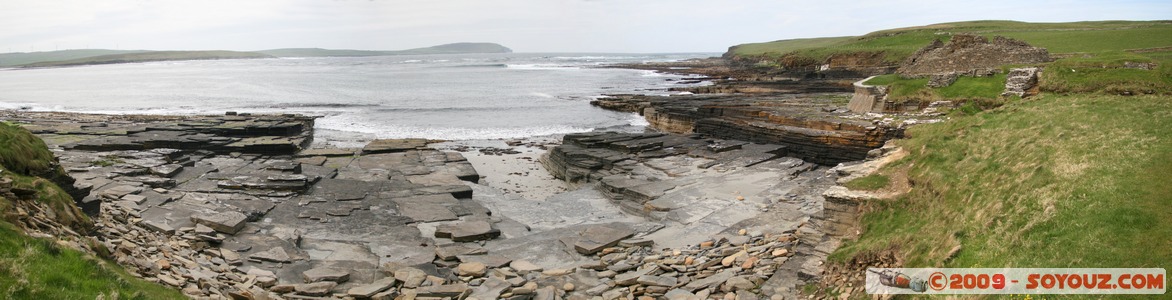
(637, 120)
(18, 106)
(463, 108)
(542, 67)
(596, 57)
(652, 73)
(311, 105)
(480, 66)
(442, 133)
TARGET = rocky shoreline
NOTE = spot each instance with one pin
(232, 207)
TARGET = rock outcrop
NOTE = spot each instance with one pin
(810, 127)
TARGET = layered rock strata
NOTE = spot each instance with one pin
(811, 127)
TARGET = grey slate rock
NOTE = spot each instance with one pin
(325, 274)
(228, 222)
(598, 237)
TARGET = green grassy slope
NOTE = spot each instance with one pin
(33, 268)
(1059, 181)
(898, 44)
(16, 59)
(1074, 177)
(147, 57)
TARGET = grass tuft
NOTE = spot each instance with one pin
(871, 182)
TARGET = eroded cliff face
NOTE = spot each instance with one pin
(843, 65)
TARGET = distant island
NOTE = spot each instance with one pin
(456, 48)
(81, 57)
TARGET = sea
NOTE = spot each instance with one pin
(443, 97)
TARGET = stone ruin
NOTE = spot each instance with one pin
(963, 55)
(968, 54)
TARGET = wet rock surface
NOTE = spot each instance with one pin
(657, 215)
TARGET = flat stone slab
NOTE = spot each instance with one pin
(228, 222)
(316, 288)
(467, 231)
(490, 260)
(428, 208)
(158, 226)
(455, 291)
(451, 252)
(276, 254)
(343, 189)
(652, 280)
(325, 274)
(393, 145)
(167, 170)
(598, 237)
(328, 152)
(706, 282)
(368, 290)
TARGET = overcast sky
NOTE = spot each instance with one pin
(523, 25)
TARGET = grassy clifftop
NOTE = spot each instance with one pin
(1073, 177)
(895, 45)
(40, 268)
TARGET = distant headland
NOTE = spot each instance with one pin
(81, 57)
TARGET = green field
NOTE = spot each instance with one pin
(898, 44)
(34, 268)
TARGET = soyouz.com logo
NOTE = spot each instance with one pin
(1016, 281)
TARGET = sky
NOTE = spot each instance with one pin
(614, 26)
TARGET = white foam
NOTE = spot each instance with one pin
(443, 133)
(637, 120)
(650, 73)
(18, 106)
(542, 95)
